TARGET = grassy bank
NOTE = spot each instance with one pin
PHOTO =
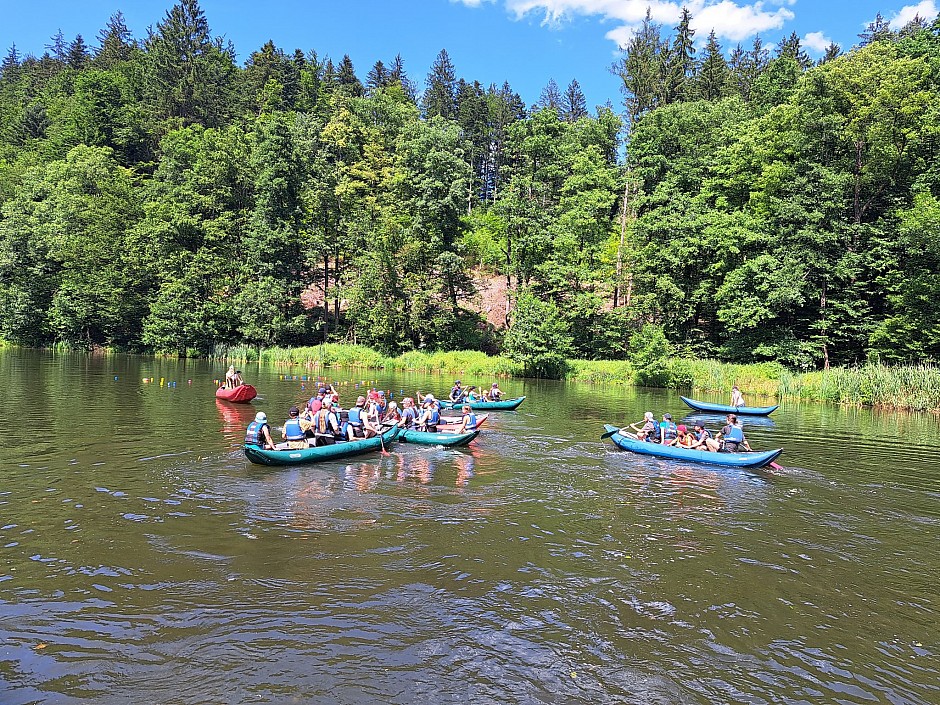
(914, 387)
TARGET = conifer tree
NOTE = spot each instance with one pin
(78, 54)
(550, 97)
(378, 77)
(347, 80)
(440, 96)
(397, 73)
(573, 103)
(680, 68)
(115, 42)
(713, 78)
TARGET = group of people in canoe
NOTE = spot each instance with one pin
(471, 394)
(233, 378)
(322, 421)
(729, 440)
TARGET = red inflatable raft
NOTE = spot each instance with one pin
(241, 394)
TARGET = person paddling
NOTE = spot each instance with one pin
(259, 432)
(647, 426)
(409, 414)
(730, 439)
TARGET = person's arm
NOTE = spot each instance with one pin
(267, 436)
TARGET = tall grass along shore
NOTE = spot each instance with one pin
(913, 387)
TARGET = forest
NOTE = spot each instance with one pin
(744, 206)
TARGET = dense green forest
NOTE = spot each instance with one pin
(745, 205)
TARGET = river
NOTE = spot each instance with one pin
(143, 559)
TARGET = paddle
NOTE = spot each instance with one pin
(610, 433)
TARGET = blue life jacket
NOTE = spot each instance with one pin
(255, 434)
(671, 430)
(355, 420)
(292, 430)
(435, 416)
(409, 416)
(472, 423)
(735, 434)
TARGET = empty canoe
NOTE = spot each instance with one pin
(726, 409)
(241, 394)
(738, 460)
(452, 423)
(501, 405)
(301, 456)
(449, 440)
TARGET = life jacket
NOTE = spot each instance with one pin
(381, 408)
(734, 434)
(472, 423)
(435, 416)
(457, 394)
(292, 430)
(704, 435)
(355, 418)
(255, 434)
(671, 431)
(409, 416)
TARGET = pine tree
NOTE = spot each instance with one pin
(11, 64)
(59, 49)
(832, 52)
(550, 97)
(877, 31)
(639, 69)
(713, 79)
(78, 55)
(792, 48)
(573, 103)
(347, 80)
(377, 78)
(681, 65)
(115, 43)
(440, 97)
(397, 73)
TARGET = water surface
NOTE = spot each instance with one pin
(142, 559)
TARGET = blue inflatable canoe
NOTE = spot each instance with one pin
(726, 409)
(738, 460)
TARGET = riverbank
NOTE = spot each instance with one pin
(911, 387)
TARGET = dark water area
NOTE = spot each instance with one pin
(143, 559)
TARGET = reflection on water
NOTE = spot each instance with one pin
(142, 559)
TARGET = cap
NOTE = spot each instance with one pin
(457, 381)
(294, 411)
(381, 393)
(360, 399)
(495, 385)
(321, 390)
(667, 416)
(429, 397)
(261, 417)
(699, 424)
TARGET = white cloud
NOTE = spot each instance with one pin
(816, 42)
(470, 3)
(926, 10)
(733, 20)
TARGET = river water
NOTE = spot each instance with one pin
(143, 559)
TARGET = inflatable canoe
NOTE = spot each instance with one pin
(738, 460)
(241, 394)
(449, 440)
(501, 405)
(726, 409)
(303, 456)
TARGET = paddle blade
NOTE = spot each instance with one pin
(775, 466)
(609, 434)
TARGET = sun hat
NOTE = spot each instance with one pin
(261, 417)
(682, 427)
(429, 397)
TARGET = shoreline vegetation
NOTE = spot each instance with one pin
(902, 387)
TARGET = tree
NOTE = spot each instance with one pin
(538, 338)
(639, 70)
(440, 95)
(550, 97)
(681, 67)
(115, 43)
(573, 104)
(713, 78)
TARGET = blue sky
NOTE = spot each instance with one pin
(525, 42)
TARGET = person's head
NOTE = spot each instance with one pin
(667, 417)
(735, 388)
(457, 383)
(238, 372)
(360, 400)
(648, 416)
(495, 386)
(681, 428)
(407, 401)
(429, 399)
(732, 418)
(392, 406)
(381, 395)
(699, 427)
(470, 388)
(321, 390)
(261, 417)
(231, 369)
(294, 412)
(467, 409)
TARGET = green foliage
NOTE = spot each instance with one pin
(649, 355)
(538, 338)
